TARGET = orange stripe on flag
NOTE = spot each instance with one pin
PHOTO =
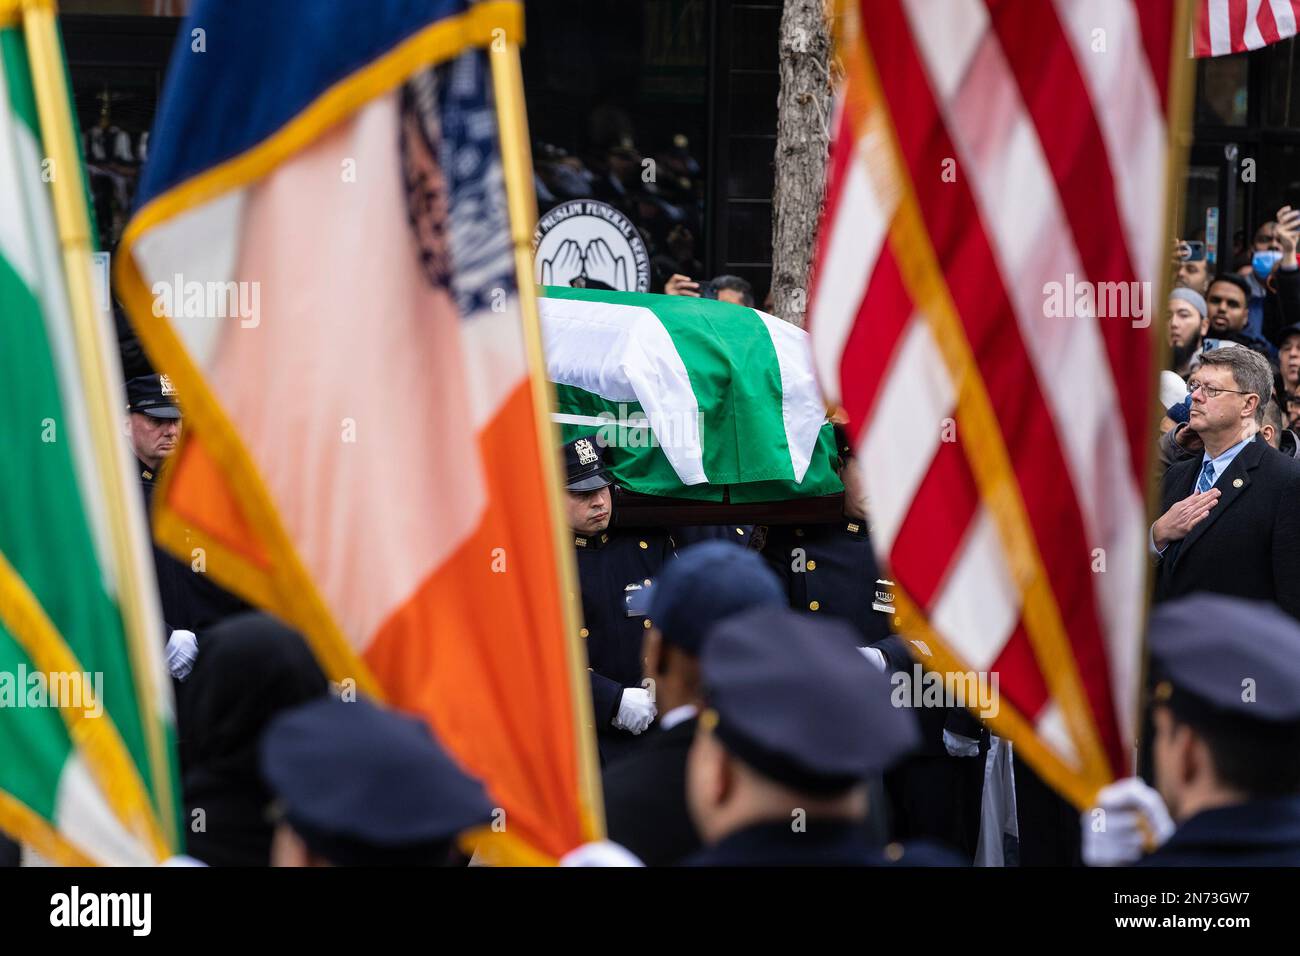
(199, 495)
(474, 650)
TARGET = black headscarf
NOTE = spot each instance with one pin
(250, 667)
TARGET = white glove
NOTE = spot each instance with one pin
(1129, 821)
(875, 656)
(635, 710)
(959, 745)
(601, 853)
(182, 652)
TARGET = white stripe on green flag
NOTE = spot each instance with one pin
(75, 781)
(689, 396)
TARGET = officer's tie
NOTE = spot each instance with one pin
(1206, 481)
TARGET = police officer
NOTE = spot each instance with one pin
(645, 793)
(1225, 708)
(191, 602)
(155, 424)
(795, 721)
(612, 567)
(357, 785)
(831, 569)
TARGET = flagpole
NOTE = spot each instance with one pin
(1182, 90)
(516, 161)
(139, 611)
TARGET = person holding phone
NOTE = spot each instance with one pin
(1274, 277)
(1193, 269)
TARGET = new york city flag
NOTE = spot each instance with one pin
(322, 258)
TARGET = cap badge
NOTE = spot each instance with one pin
(586, 454)
(167, 387)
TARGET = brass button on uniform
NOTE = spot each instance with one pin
(812, 565)
(644, 546)
(583, 632)
(646, 624)
(740, 531)
(814, 605)
(894, 852)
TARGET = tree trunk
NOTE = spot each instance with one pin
(802, 135)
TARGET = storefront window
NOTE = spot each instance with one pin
(1282, 99)
(1221, 91)
(1279, 180)
(618, 110)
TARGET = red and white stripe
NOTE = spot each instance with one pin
(1235, 26)
(1059, 158)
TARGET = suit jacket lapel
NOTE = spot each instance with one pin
(1232, 484)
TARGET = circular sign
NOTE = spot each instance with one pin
(591, 242)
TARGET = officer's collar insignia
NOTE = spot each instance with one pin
(586, 454)
(580, 542)
(604, 538)
(854, 527)
(147, 475)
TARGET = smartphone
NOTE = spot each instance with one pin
(1192, 251)
(707, 290)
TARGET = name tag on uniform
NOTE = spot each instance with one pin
(884, 599)
(628, 593)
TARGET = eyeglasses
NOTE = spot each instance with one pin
(1212, 391)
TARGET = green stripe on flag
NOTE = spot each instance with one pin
(743, 415)
(47, 536)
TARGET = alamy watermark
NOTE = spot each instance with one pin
(208, 300)
(73, 690)
(629, 427)
(972, 690)
(1103, 300)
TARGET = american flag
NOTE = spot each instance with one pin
(1233, 26)
(988, 155)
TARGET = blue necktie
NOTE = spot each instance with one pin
(1206, 481)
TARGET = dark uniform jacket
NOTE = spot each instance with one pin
(190, 600)
(1282, 306)
(1249, 545)
(824, 843)
(827, 569)
(1256, 833)
(645, 798)
(932, 794)
(609, 564)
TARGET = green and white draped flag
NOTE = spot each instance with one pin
(77, 783)
(689, 396)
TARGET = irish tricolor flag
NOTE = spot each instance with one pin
(80, 715)
(689, 397)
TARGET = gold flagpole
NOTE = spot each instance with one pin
(1182, 92)
(516, 161)
(104, 396)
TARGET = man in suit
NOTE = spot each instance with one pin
(645, 794)
(1225, 712)
(1231, 521)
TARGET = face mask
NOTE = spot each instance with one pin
(1263, 262)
